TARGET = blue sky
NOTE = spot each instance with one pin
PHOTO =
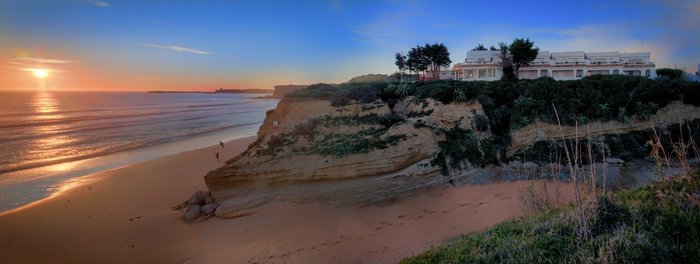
(255, 44)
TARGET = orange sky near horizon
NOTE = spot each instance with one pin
(80, 76)
(85, 76)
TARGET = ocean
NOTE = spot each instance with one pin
(47, 138)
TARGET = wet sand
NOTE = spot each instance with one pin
(124, 216)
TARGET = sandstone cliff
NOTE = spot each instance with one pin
(308, 149)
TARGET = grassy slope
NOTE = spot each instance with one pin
(656, 223)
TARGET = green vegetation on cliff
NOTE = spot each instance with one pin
(516, 104)
(629, 146)
(509, 105)
(373, 136)
(653, 224)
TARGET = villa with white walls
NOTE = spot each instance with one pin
(485, 65)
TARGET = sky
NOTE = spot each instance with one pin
(105, 45)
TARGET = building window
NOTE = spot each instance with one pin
(544, 73)
(633, 73)
(562, 74)
(616, 71)
(469, 74)
(579, 73)
(647, 73)
(482, 73)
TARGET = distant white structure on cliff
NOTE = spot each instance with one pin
(485, 65)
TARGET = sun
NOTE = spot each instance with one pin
(40, 73)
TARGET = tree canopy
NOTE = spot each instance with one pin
(417, 60)
(506, 62)
(428, 57)
(670, 73)
(522, 53)
(479, 47)
(438, 57)
(400, 61)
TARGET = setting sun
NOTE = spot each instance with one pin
(40, 73)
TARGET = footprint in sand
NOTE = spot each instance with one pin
(430, 212)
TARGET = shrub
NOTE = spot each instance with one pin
(462, 145)
(481, 123)
(659, 223)
(342, 94)
(448, 91)
(364, 94)
(361, 142)
(389, 120)
(670, 73)
(413, 114)
(386, 120)
(306, 128)
(542, 152)
(274, 145)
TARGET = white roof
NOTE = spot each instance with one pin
(568, 54)
(482, 53)
(603, 54)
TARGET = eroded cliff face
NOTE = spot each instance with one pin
(436, 114)
(673, 113)
(309, 150)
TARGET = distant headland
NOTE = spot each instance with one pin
(222, 90)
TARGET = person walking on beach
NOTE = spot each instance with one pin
(217, 156)
(221, 144)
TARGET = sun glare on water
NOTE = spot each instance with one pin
(40, 73)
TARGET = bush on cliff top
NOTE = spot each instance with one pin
(516, 104)
(342, 94)
(654, 224)
(511, 105)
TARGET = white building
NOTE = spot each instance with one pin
(485, 65)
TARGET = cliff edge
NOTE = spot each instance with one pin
(362, 143)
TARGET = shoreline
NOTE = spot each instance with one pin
(124, 215)
(23, 187)
(83, 180)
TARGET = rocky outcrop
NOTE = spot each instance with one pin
(436, 114)
(309, 150)
(200, 204)
(260, 174)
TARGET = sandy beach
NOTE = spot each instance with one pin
(124, 216)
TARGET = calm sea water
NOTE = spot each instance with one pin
(49, 137)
